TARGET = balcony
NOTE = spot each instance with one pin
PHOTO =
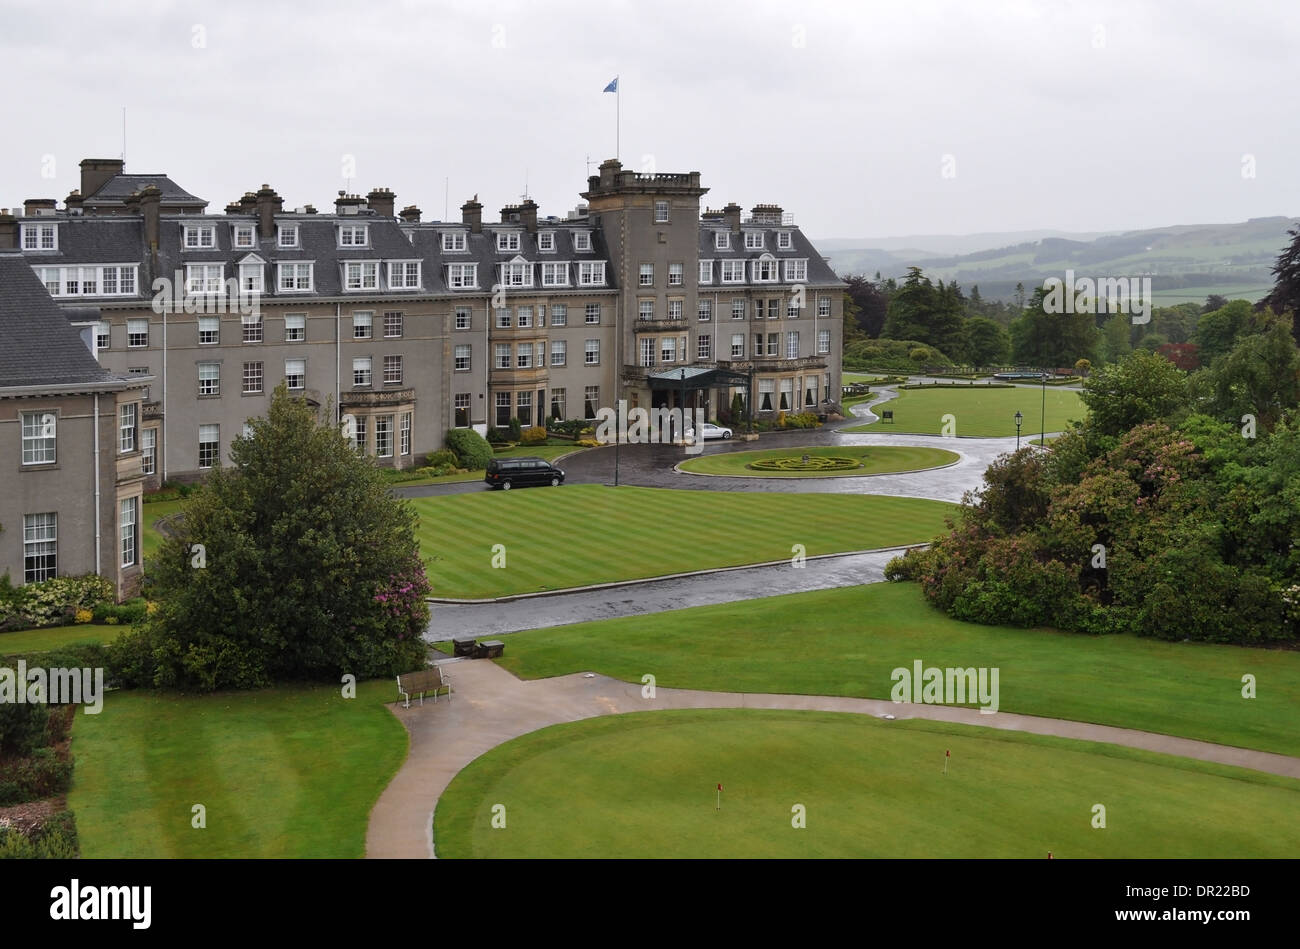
(659, 325)
(377, 398)
(536, 375)
(150, 411)
(776, 363)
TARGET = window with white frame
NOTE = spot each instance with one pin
(112, 281)
(706, 271)
(591, 351)
(647, 351)
(502, 351)
(823, 342)
(203, 278)
(394, 322)
(209, 378)
(209, 445)
(102, 334)
(668, 349)
(504, 319)
(296, 278)
(199, 236)
(796, 271)
(517, 274)
(645, 309)
(137, 333)
(127, 422)
(462, 276)
(524, 407)
(148, 450)
(722, 240)
(546, 242)
(675, 275)
(384, 436)
(461, 404)
(507, 240)
(787, 390)
(360, 275)
(557, 403)
(753, 240)
(647, 275)
(524, 356)
(737, 345)
(791, 345)
(209, 330)
(559, 352)
(704, 310)
(674, 309)
(354, 235)
(359, 439)
(295, 327)
(40, 547)
(555, 275)
(463, 316)
(404, 275)
(765, 270)
(783, 240)
(392, 370)
(738, 308)
(524, 316)
(559, 314)
(126, 530)
(773, 344)
(661, 212)
(591, 400)
(40, 237)
(582, 240)
(591, 273)
(503, 409)
(253, 375)
(592, 314)
(733, 271)
(287, 235)
(766, 388)
(362, 321)
(792, 307)
(295, 373)
(454, 241)
(462, 354)
(823, 306)
(251, 278)
(704, 347)
(404, 441)
(38, 433)
(241, 236)
(361, 372)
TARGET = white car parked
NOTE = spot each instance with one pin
(709, 430)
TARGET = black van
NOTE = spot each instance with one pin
(508, 472)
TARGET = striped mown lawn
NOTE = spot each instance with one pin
(552, 538)
(977, 411)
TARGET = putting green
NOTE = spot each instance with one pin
(788, 462)
(645, 785)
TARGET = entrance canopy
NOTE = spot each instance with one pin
(696, 377)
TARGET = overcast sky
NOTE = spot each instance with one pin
(862, 119)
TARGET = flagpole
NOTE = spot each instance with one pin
(618, 119)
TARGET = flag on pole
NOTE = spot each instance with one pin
(719, 807)
(613, 85)
(946, 755)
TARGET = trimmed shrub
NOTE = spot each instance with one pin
(50, 602)
(442, 458)
(41, 774)
(571, 427)
(516, 430)
(132, 611)
(497, 436)
(587, 443)
(471, 450)
(802, 420)
(533, 436)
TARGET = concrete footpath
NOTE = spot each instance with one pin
(492, 706)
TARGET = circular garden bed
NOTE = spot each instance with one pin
(827, 461)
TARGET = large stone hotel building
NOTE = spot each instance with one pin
(414, 327)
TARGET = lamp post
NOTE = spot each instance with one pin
(1042, 439)
(1019, 418)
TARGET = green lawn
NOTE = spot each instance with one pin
(286, 772)
(876, 459)
(56, 637)
(847, 641)
(589, 533)
(644, 785)
(150, 536)
(979, 412)
(549, 451)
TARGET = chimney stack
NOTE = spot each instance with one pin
(268, 204)
(34, 207)
(731, 214)
(382, 201)
(150, 200)
(528, 215)
(8, 230)
(74, 202)
(471, 213)
(410, 214)
(95, 172)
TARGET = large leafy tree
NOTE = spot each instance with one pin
(1260, 376)
(1143, 387)
(1218, 331)
(987, 343)
(308, 568)
(926, 313)
(1285, 295)
(871, 301)
(1041, 338)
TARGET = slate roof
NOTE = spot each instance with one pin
(820, 273)
(115, 190)
(38, 346)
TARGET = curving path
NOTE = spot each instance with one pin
(491, 706)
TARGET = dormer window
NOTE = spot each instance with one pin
(517, 273)
(582, 240)
(354, 235)
(454, 241)
(40, 237)
(722, 240)
(242, 236)
(507, 240)
(784, 240)
(546, 242)
(753, 240)
(200, 236)
(765, 269)
(251, 275)
(404, 275)
(287, 235)
(706, 271)
(361, 275)
(796, 271)
(462, 276)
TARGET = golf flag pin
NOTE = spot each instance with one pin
(719, 807)
(946, 755)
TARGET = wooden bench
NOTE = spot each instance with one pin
(490, 649)
(426, 681)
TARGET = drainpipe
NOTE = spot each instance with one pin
(166, 443)
(338, 357)
(96, 467)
